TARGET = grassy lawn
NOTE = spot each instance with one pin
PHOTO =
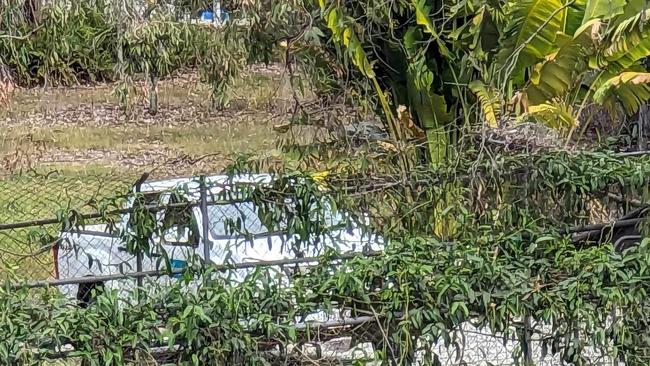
(84, 126)
(246, 135)
(62, 148)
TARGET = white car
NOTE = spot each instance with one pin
(99, 250)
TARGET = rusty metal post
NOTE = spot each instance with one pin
(205, 220)
(138, 256)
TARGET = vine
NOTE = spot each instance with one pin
(509, 267)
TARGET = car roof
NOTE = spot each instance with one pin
(215, 183)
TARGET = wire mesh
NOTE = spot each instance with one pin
(39, 206)
(478, 347)
(32, 197)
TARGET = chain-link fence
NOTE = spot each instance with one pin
(32, 210)
(80, 235)
(483, 347)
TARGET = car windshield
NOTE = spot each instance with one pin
(243, 217)
(226, 220)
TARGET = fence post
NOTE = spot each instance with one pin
(205, 220)
(216, 12)
(138, 256)
(527, 347)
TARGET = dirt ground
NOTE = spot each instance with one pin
(85, 128)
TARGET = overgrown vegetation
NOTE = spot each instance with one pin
(550, 62)
(89, 41)
(502, 260)
(473, 233)
(457, 65)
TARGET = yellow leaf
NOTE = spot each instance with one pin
(490, 102)
(347, 33)
(332, 22)
(627, 89)
(320, 178)
(553, 114)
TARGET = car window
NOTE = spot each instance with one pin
(243, 217)
(179, 224)
(231, 219)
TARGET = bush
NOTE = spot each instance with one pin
(79, 42)
(70, 44)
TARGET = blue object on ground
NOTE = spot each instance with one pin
(208, 15)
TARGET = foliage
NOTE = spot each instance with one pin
(71, 44)
(505, 262)
(490, 104)
(97, 41)
(478, 240)
(431, 56)
(542, 53)
(221, 56)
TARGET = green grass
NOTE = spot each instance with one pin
(185, 125)
(41, 195)
(35, 196)
(254, 91)
(245, 135)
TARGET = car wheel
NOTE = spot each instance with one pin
(88, 292)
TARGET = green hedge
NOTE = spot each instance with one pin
(78, 42)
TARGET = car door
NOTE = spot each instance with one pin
(176, 241)
(237, 235)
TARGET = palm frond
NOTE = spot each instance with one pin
(490, 102)
(554, 114)
(532, 31)
(559, 72)
(628, 90)
(629, 41)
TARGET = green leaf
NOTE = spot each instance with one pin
(575, 16)
(553, 114)
(603, 9)
(631, 9)
(531, 32)
(454, 307)
(490, 102)
(429, 107)
(628, 90)
(562, 70)
(422, 17)
(629, 42)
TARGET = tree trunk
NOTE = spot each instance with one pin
(153, 93)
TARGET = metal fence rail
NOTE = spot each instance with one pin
(33, 208)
